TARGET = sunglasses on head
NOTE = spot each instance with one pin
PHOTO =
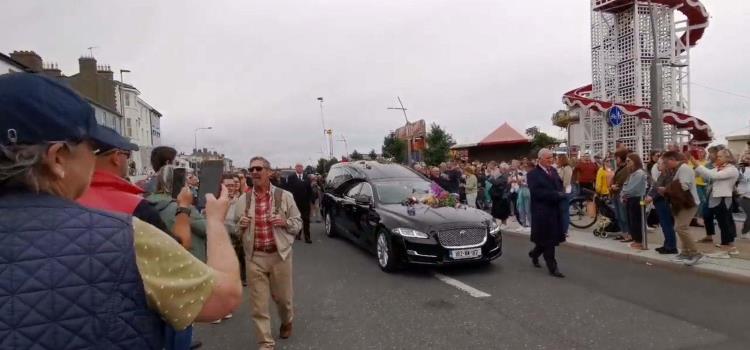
(256, 169)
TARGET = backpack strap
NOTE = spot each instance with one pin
(277, 193)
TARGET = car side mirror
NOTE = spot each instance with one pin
(363, 199)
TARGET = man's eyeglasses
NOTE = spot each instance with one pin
(256, 169)
(118, 151)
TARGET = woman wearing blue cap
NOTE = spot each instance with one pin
(78, 277)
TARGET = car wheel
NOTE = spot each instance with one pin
(387, 261)
(329, 225)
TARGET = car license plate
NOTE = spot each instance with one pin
(466, 253)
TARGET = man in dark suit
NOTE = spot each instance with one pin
(547, 230)
(301, 188)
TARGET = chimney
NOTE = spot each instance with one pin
(87, 66)
(29, 59)
(105, 71)
(52, 70)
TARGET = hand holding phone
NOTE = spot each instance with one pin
(185, 197)
(216, 208)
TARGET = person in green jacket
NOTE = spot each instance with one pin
(167, 207)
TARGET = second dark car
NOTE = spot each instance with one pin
(364, 201)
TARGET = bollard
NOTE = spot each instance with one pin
(643, 223)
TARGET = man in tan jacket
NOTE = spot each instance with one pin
(268, 220)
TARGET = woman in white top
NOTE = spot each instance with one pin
(743, 188)
(723, 178)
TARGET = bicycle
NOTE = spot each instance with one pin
(578, 210)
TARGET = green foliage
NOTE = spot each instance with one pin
(542, 140)
(439, 144)
(533, 131)
(394, 148)
(373, 155)
(324, 165)
(356, 156)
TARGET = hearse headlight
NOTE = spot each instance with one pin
(494, 228)
(409, 233)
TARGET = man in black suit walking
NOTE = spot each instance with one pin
(301, 188)
(547, 230)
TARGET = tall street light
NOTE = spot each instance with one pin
(657, 107)
(196, 136)
(327, 133)
(408, 130)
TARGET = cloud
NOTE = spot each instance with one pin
(253, 69)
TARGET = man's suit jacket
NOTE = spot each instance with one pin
(301, 190)
(547, 193)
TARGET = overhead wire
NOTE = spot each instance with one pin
(720, 90)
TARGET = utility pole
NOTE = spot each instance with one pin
(326, 132)
(408, 130)
(346, 145)
(657, 106)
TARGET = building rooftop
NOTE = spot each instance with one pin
(505, 134)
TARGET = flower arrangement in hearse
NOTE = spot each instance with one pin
(436, 198)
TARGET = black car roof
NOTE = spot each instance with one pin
(373, 170)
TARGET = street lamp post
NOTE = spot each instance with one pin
(408, 130)
(327, 133)
(195, 145)
(657, 107)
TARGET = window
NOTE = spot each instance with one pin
(354, 191)
(100, 117)
(366, 190)
(127, 99)
(128, 128)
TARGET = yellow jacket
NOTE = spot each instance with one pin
(602, 185)
(699, 181)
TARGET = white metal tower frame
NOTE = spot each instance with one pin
(621, 57)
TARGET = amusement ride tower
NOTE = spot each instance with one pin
(616, 107)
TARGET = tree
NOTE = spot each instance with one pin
(321, 167)
(373, 155)
(324, 165)
(394, 148)
(439, 144)
(542, 140)
(356, 156)
(533, 131)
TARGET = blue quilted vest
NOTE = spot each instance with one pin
(69, 280)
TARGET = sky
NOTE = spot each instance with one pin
(252, 70)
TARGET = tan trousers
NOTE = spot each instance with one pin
(269, 276)
(682, 226)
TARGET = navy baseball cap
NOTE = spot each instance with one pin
(35, 109)
(116, 141)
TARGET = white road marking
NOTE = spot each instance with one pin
(462, 286)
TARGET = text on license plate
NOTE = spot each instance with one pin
(466, 253)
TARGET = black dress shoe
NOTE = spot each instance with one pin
(308, 241)
(663, 250)
(557, 273)
(535, 261)
(196, 344)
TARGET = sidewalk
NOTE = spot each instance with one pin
(736, 268)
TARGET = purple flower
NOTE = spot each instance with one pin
(436, 189)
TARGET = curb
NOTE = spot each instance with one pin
(718, 274)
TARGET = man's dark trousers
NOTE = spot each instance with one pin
(548, 251)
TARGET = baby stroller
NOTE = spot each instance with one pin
(607, 222)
